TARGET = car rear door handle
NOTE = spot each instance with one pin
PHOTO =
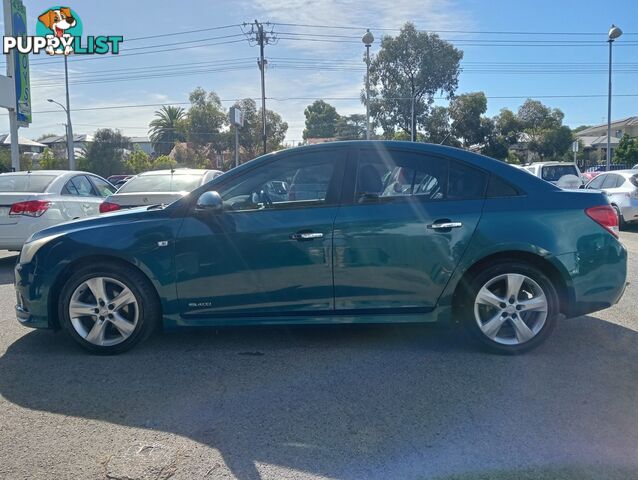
(300, 236)
(444, 225)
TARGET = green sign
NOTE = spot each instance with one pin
(21, 65)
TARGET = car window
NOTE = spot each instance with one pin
(610, 181)
(79, 186)
(634, 180)
(597, 182)
(103, 187)
(300, 180)
(387, 174)
(553, 173)
(497, 187)
(25, 183)
(176, 182)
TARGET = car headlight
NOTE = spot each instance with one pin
(30, 248)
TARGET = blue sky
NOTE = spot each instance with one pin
(501, 65)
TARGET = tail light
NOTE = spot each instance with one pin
(108, 207)
(606, 216)
(30, 208)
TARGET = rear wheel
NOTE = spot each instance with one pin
(621, 219)
(108, 309)
(510, 307)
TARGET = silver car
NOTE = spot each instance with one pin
(31, 201)
(621, 187)
(160, 186)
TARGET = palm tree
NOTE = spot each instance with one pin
(167, 128)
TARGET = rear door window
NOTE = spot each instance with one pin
(79, 186)
(102, 186)
(611, 181)
(597, 182)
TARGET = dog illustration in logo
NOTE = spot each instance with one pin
(59, 21)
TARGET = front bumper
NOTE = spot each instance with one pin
(31, 298)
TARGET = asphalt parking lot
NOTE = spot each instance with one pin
(377, 402)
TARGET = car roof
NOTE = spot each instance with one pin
(543, 164)
(625, 173)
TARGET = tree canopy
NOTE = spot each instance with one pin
(321, 120)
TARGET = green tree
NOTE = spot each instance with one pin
(466, 111)
(5, 160)
(250, 135)
(105, 155)
(627, 151)
(437, 127)
(205, 120)
(507, 125)
(543, 126)
(163, 162)
(556, 142)
(411, 68)
(494, 144)
(48, 161)
(167, 129)
(321, 120)
(351, 127)
(138, 161)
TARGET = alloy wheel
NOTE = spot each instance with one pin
(103, 311)
(511, 309)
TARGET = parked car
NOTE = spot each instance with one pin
(592, 172)
(562, 174)
(635, 167)
(621, 188)
(157, 187)
(114, 179)
(397, 232)
(31, 201)
(119, 183)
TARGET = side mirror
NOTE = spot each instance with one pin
(210, 202)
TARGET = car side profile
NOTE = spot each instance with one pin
(32, 201)
(358, 232)
(621, 188)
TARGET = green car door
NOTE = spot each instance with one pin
(406, 219)
(270, 250)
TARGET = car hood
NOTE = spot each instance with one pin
(117, 217)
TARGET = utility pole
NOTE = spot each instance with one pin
(258, 36)
(367, 40)
(614, 33)
(69, 135)
(262, 68)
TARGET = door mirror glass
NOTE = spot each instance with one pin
(210, 202)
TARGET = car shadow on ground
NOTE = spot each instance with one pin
(6, 269)
(398, 401)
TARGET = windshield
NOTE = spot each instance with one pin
(553, 173)
(162, 183)
(25, 183)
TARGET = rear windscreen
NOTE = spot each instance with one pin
(553, 173)
(25, 183)
(634, 180)
(162, 183)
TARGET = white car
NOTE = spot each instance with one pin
(157, 187)
(562, 174)
(621, 187)
(32, 201)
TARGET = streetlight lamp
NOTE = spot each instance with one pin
(367, 40)
(614, 33)
(69, 134)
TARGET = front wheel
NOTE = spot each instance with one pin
(108, 309)
(511, 307)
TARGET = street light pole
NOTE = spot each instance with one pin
(69, 136)
(614, 33)
(367, 40)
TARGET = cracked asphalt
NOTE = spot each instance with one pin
(374, 402)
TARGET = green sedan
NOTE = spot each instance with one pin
(346, 232)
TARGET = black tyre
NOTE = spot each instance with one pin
(108, 308)
(621, 219)
(510, 307)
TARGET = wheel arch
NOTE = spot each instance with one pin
(67, 271)
(544, 264)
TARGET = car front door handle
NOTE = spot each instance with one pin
(300, 236)
(445, 225)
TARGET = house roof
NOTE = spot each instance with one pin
(594, 141)
(625, 122)
(83, 137)
(25, 142)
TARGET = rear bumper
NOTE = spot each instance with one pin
(598, 274)
(630, 211)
